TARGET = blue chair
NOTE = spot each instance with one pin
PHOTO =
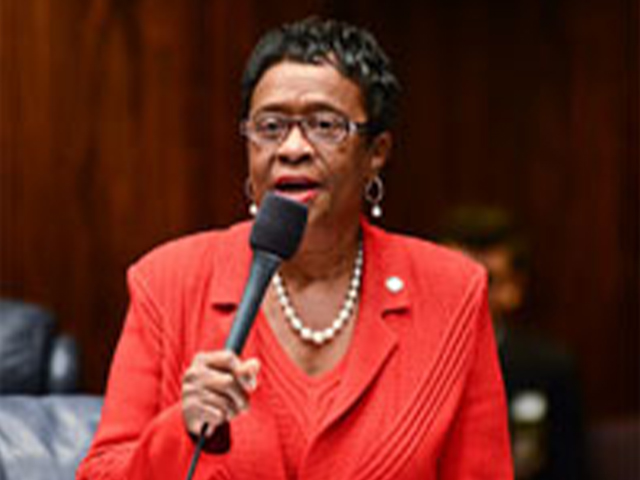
(46, 426)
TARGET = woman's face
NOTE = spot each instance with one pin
(329, 178)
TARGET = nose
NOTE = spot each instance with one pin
(295, 147)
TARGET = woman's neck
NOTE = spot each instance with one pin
(323, 256)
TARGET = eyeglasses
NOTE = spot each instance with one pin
(320, 128)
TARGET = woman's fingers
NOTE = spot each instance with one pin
(216, 388)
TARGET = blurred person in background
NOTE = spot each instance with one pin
(541, 377)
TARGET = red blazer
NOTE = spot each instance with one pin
(421, 395)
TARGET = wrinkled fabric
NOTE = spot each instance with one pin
(45, 437)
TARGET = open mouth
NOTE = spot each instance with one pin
(301, 189)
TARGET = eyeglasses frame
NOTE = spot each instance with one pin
(351, 127)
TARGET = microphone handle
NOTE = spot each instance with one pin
(263, 267)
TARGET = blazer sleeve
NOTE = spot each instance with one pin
(138, 437)
(478, 446)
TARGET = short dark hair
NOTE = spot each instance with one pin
(480, 228)
(352, 50)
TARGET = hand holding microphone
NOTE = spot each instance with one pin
(215, 389)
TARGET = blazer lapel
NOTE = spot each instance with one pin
(373, 346)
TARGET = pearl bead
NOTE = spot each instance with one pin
(376, 211)
(349, 304)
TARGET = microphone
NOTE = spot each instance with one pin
(275, 236)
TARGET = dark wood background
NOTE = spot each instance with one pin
(118, 131)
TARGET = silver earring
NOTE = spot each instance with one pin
(248, 191)
(374, 193)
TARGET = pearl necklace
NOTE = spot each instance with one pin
(320, 337)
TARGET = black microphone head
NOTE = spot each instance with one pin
(279, 226)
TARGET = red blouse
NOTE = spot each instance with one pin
(302, 402)
(418, 396)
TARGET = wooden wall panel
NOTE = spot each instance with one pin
(118, 130)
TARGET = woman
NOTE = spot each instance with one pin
(373, 355)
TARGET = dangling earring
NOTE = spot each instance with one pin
(248, 191)
(374, 193)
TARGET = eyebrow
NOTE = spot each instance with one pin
(312, 107)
